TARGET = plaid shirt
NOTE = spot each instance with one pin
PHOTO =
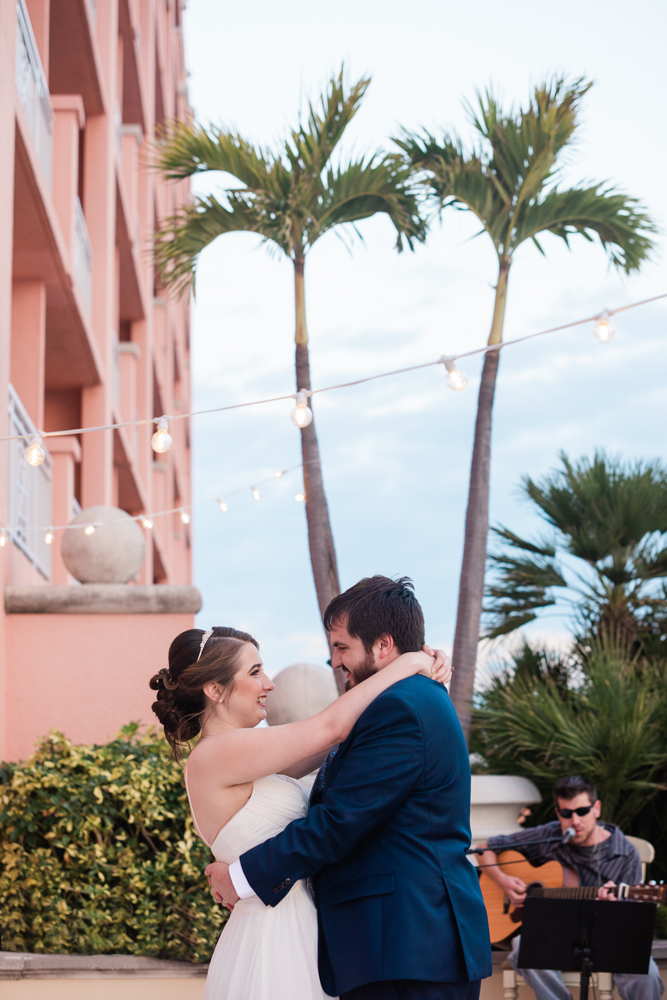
(615, 859)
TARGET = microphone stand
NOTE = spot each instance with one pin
(562, 839)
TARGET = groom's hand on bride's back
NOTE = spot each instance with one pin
(221, 884)
(440, 666)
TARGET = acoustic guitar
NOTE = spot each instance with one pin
(551, 880)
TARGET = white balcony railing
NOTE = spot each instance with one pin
(82, 257)
(29, 492)
(33, 90)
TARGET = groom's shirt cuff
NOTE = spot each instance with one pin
(243, 888)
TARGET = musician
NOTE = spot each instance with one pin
(598, 853)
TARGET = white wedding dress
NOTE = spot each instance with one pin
(265, 952)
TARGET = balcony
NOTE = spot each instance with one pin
(82, 257)
(33, 90)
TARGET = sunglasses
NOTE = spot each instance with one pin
(569, 813)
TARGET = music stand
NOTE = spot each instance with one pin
(586, 935)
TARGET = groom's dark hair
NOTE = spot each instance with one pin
(378, 606)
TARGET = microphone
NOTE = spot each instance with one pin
(567, 835)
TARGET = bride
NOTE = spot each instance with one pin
(242, 787)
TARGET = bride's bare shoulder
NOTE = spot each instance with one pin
(220, 749)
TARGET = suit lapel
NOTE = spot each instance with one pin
(336, 764)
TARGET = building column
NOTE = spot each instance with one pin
(69, 119)
(28, 343)
(66, 452)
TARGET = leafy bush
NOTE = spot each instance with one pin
(98, 853)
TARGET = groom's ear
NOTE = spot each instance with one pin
(384, 647)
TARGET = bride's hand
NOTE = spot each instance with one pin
(440, 666)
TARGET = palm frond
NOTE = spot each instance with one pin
(313, 145)
(616, 219)
(363, 188)
(523, 586)
(187, 148)
(609, 514)
(181, 238)
(508, 178)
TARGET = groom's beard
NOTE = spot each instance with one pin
(361, 671)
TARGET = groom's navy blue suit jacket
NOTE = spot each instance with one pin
(397, 897)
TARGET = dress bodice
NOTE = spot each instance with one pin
(275, 801)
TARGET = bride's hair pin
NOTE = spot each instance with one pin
(204, 639)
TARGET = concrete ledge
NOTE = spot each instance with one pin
(24, 965)
(659, 951)
(103, 599)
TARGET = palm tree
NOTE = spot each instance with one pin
(290, 198)
(609, 516)
(509, 181)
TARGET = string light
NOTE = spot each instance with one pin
(161, 441)
(148, 520)
(34, 453)
(49, 536)
(299, 497)
(602, 328)
(302, 415)
(277, 475)
(456, 379)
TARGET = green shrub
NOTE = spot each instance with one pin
(604, 718)
(98, 853)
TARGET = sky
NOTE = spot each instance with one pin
(396, 452)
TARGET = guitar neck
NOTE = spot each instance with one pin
(576, 892)
(639, 893)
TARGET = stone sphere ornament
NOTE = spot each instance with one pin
(301, 690)
(113, 552)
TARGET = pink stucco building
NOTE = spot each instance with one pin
(87, 337)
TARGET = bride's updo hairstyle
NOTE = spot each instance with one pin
(181, 701)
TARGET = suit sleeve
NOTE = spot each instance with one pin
(381, 766)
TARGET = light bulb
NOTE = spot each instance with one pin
(455, 380)
(147, 523)
(302, 415)
(161, 440)
(48, 537)
(299, 497)
(277, 475)
(185, 517)
(34, 453)
(255, 493)
(602, 328)
(223, 506)
(90, 530)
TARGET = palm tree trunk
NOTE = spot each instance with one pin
(471, 587)
(320, 536)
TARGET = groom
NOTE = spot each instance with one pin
(400, 912)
